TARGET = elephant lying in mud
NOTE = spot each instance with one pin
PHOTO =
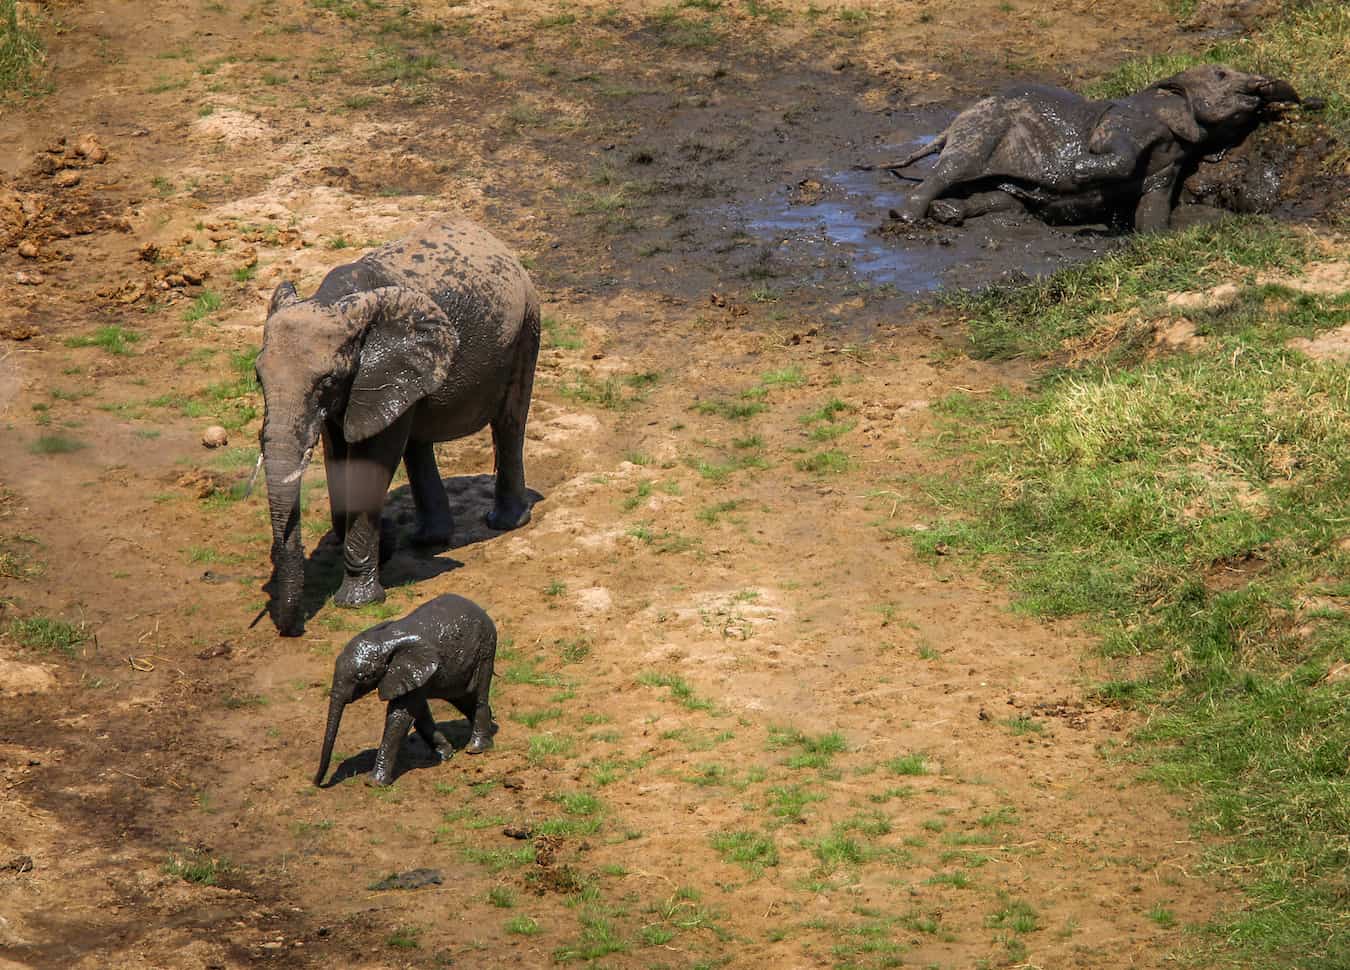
(443, 649)
(1066, 159)
(426, 339)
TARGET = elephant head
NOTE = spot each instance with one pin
(382, 657)
(1217, 98)
(361, 360)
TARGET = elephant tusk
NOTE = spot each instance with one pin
(252, 479)
(304, 463)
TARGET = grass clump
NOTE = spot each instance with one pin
(48, 635)
(56, 444)
(1190, 507)
(114, 339)
(750, 850)
(613, 393)
(196, 867)
(679, 690)
(22, 52)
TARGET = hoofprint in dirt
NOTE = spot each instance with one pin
(736, 720)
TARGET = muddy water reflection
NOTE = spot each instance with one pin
(839, 224)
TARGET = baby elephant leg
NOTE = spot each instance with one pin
(428, 732)
(397, 720)
(476, 708)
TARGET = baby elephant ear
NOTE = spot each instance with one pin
(408, 348)
(284, 295)
(410, 667)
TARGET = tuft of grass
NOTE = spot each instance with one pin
(752, 851)
(825, 463)
(679, 690)
(112, 338)
(206, 303)
(502, 897)
(789, 802)
(814, 752)
(22, 52)
(614, 393)
(44, 633)
(196, 867)
(522, 926)
(56, 444)
(908, 764)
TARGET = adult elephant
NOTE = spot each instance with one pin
(426, 339)
(1069, 159)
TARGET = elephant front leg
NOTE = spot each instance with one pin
(370, 467)
(1154, 210)
(434, 522)
(397, 720)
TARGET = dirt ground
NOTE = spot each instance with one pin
(740, 723)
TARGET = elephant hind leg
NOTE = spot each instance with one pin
(426, 728)
(476, 708)
(434, 522)
(511, 501)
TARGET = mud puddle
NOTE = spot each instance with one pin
(834, 218)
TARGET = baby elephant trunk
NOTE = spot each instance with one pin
(1275, 90)
(335, 708)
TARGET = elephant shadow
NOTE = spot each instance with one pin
(413, 754)
(471, 499)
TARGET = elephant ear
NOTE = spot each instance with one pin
(406, 354)
(283, 296)
(410, 667)
(1173, 108)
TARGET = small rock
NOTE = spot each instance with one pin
(215, 437)
(149, 252)
(29, 279)
(221, 649)
(513, 783)
(518, 832)
(66, 178)
(412, 879)
(89, 147)
(28, 249)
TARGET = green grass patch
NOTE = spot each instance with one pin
(55, 444)
(206, 303)
(46, 634)
(750, 850)
(812, 751)
(1308, 44)
(825, 463)
(113, 339)
(22, 52)
(680, 690)
(1190, 507)
(613, 393)
(196, 867)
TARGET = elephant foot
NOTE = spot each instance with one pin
(509, 513)
(376, 780)
(947, 212)
(911, 213)
(478, 743)
(359, 591)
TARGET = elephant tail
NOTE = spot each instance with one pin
(932, 148)
(335, 707)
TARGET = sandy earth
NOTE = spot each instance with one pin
(672, 543)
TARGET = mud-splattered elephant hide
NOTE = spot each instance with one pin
(444, 649)
(426, 339)
(1067, 159)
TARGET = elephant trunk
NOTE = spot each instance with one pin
(288, 552)
(1275, 90)
(336, 704)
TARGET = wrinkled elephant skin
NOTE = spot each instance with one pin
(1054, 153)
(444, 649)
(426, 339)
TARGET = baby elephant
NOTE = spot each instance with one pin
(443, 649)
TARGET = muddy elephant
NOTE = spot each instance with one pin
(444, 649)
(1067, 159)
(426, 339)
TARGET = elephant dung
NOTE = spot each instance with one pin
(412, 879)
(215, 437)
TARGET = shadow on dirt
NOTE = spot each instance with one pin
(471, 499)
(413, 755)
